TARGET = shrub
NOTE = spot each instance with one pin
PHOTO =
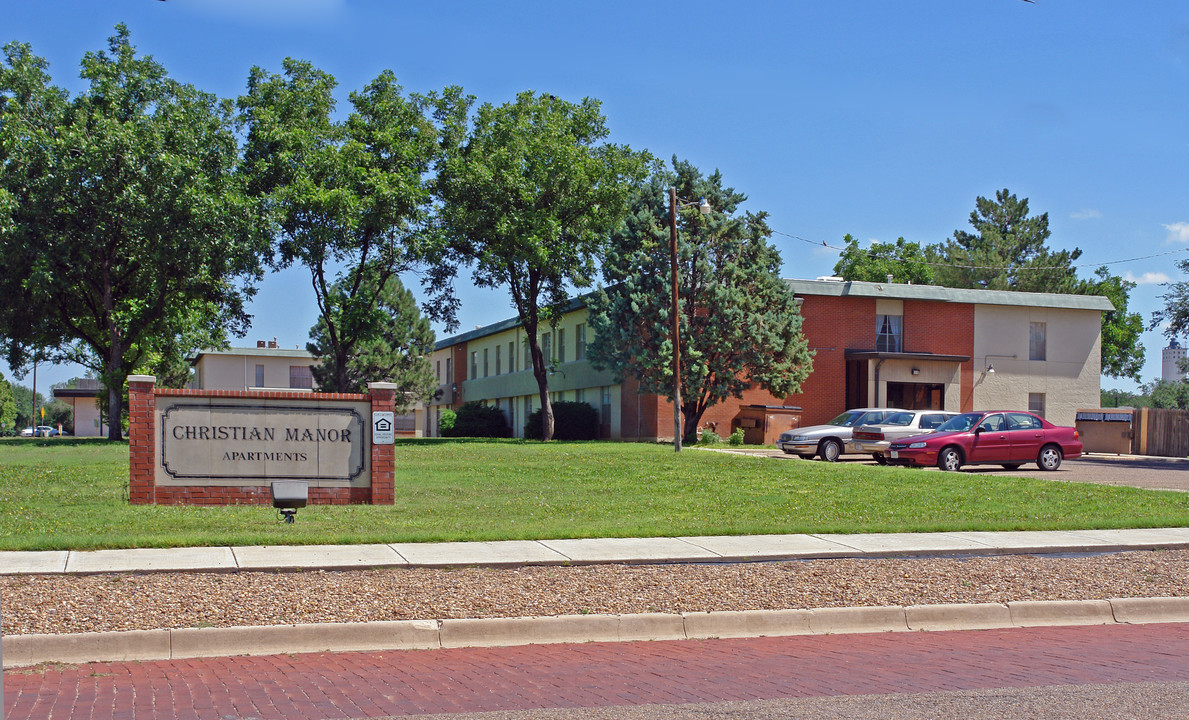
(736, 438)
(474, 419)
(709, 437)
(446, 422)
(571, 421)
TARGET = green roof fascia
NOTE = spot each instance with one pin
(903, 291)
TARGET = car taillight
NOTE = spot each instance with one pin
(1075, 434)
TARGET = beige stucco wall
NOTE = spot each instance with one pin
(931, 372)
(86, 418)
(238, 372)
(1069, 377)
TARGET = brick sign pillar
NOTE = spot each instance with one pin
(383, 397)
(142, 457)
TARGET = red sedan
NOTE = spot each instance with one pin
(995, 437)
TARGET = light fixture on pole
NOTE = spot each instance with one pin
(704, 208)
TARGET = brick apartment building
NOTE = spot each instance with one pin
(875, 344)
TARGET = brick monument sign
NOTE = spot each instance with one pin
(225, 447)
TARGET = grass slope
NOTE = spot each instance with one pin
(70, 494)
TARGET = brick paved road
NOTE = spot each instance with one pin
(356, 685)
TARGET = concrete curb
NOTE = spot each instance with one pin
(145, 645)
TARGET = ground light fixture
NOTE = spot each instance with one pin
(674, 206)
(288, 496)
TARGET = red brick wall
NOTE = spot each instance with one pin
(833, 325)
(944, 329)
(142, 438)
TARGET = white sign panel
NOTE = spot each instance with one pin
(383, 428)
(217, 442)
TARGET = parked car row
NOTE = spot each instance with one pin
(933, 437)
(42, 431)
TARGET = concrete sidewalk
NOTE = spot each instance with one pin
(176, 643)
(516, 553)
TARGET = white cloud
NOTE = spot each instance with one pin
(1178, 233)
(1148, 278)
(1087, 214)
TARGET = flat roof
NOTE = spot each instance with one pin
(254, 352)
(935, 293)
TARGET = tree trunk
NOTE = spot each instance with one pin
(541, 373)
(115, 396)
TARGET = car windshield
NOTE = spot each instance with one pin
(900, 418)
(852, 418)
(846, 419)
(960, 423)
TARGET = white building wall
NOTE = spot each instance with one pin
(1070, 375)
(1170, 369)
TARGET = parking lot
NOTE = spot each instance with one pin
(1152, 473)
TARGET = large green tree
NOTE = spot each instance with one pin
(1176, 307)
(901, 262)
(1122, 353)
(1007, 251)
(392, 344)
(8, 406)
(530, 195)
(740, 326)
(125, 214)
(349, 199)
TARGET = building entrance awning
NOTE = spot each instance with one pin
(915, 357)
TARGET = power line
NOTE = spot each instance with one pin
(991, 267)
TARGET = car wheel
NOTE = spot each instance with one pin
(1049, 457)
(879, 458)
(949, 459)
(829, 450)
(1011, 466)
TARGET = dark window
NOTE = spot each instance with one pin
(300, 376)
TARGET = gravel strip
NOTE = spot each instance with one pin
(144, 601)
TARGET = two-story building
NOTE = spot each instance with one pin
(875, 344)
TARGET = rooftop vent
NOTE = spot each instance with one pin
(259, 343)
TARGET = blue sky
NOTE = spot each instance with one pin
(868, 117)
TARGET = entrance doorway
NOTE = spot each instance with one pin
(916, 396)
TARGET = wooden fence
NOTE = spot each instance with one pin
(1160, 432)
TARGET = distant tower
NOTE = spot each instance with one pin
(1170, 369)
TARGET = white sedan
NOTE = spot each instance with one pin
(875, 438)
(831, 440)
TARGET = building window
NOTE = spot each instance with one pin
(889, 333)
(512, 356)
(484, 362)
(1036, 403)
(449, 370)
(439, 371)
(528, 355)
(259, 376)
(547, 348)
(561, 345)
(498, 360)
(300, 376)
(1036, 341)
(474, 364)
(580, 342)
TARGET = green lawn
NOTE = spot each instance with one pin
(70, 494)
